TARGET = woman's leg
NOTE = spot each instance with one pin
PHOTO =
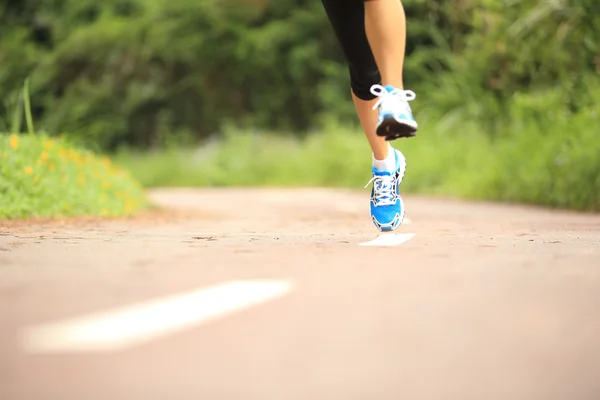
(347, 19)
(385, 28)
(350, 23)
(385, 25)
(368, 121)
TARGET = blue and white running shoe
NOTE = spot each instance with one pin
(387, 208)
(395, 115)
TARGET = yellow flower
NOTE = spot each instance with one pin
(48, 144)
(128, 206)
(28, 170)
(14, 142)
(44, 155)
(36, 180)
(51, 167)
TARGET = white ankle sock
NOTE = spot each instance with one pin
(387, 164)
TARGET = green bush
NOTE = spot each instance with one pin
(45, 177)
(555, 163)
(514, 78)
(136, 72)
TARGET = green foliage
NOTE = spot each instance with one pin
(45, 177)
(519, 47)
(133, 72)
(559, 170)
(515, 78)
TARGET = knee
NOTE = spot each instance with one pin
(361, 82)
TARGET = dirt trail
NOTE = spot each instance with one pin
(485, 302)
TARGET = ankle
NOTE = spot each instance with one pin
(381, 155)
(385, 162)
(396, 83)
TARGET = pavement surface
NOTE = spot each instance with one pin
(485, 301)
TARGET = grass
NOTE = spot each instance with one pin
(45, 177)
(528, 164)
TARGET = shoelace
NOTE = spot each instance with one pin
(396, 94)
(384, 190)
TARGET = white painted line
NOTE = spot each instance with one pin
(390, 239)
(143, 322)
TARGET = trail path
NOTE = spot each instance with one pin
(268, 294)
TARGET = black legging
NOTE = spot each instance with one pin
(347, 17)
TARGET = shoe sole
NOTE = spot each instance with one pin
(391, 129)
(402, 174)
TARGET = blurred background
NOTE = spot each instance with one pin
(100, 99)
